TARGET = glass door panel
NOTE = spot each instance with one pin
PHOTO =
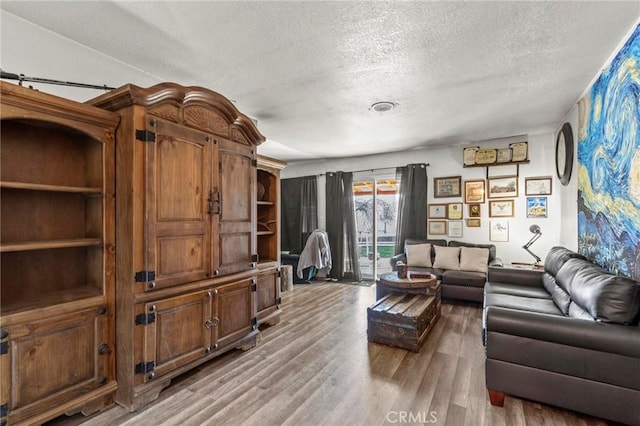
(375, 202)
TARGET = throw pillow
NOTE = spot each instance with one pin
(447, 258)
(474, 259)
(419, 255)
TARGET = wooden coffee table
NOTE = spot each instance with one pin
(390, 282)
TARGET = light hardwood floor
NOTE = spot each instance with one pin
(316, 368)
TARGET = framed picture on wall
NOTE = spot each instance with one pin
(437, 211)
(474, 210)
(455, 229)
(437, 227)
(474, 191)
(444, 187)
(499, 230)
(473, 223)
(502, 187)
(454, 211)
(536, 207)
(501, 208)
(537, 185)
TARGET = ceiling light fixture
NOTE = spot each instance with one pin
(382, 106)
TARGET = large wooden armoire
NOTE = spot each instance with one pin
(186, 260)
(57, 246)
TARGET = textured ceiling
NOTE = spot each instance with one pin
(308, 71)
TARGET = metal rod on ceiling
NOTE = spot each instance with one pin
(370, 170)
(21, 77)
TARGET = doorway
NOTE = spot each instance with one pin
(376, 205)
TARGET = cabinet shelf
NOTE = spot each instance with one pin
(53, 188)
(49, 300)
(508, 163)
(46, 245)
(266, 203)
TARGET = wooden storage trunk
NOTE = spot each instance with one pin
(402, 320)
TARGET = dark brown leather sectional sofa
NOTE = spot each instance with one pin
(568, 337)
(462, 285)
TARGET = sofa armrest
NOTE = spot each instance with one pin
(496, 263)
(397, 258)
(598, 336)
(526, 277)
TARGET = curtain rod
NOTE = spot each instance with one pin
(371, 170)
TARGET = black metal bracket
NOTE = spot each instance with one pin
(145, 276)
(254, 286)
(254, 258)
(4, 410)
(145, 367)
(145, 135)
(254, 323)
(254, 162)
(4, 348)
(145, 319)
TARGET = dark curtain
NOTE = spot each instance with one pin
(299, 210)
(412, 204)
(341, 227)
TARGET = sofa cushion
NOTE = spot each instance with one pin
(474, 259)
(516, 290)
(419, 255)
(433, 242)
(491, 247)
(464, 278)
(606, 297)
(556, 257)
(543, 306)
(447, 258)
(558, 294)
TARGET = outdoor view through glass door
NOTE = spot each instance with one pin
(375, 197)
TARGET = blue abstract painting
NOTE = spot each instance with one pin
(609, 165)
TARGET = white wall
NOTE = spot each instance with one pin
(447, 161)
(37, 52)
(569, 194)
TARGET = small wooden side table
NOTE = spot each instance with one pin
(390, 282)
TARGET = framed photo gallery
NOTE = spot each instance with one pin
(498, 192)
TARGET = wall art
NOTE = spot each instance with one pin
(609, 165)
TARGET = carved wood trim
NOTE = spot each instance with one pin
(156, 97)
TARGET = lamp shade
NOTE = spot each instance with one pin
(535, 229)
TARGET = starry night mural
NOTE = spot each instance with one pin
(609, 165)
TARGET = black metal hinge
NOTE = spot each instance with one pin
(145, 135)
(279, 301)
(4, 410)
(254, 286)
(254, 323)
(145, 319)
(279, 274)
(4, 348)
(254, 163)
(144, 276)
(254, 257)
(145, 367)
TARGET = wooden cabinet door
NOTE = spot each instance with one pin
(178, 204)
(234, 232)
(178, 331)
(267, 293)
(51, 362)
(235, 311)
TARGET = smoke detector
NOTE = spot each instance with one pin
(382, 106)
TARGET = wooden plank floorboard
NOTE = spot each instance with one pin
(316, 368)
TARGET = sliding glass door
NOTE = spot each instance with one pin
(375, 202)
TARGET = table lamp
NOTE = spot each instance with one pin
(535, 229)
